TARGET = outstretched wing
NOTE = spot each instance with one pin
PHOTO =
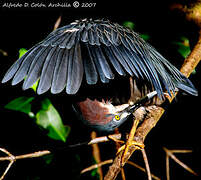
(95, 49)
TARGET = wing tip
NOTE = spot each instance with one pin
(5, 79)
(187, 86)
(71, 91)
(8, 76)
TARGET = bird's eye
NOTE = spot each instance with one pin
(117, 117)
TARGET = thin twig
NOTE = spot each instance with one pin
(13, 158)
(7, 169)
(96, 166)
(96, 154)
(90, 168)
(167, 167)
(170, 154)
(5, 151)
(57, 23)
(105, 138)
(142, 169)
(123, 176)
(4, 53)
(181, 151)
(146, 164)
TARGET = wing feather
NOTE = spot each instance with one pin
(17, 65)
(97, 64)
(75, 70)
(103, 62)
(89, 66)
(71, 41)
(142, 58)
(131, 61)
(60, 71)
(36, 67)
(121, 60)
(102, 35)
(24, 68)
(47, 72)
(91, 37)
(96, 37)
(114, 61)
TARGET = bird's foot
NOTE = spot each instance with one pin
(125, 147)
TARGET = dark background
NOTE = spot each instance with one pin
(178, 129)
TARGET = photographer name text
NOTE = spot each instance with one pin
(75, 4)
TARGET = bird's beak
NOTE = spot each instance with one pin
(141, 102)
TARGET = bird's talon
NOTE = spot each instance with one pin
(136, 144)
(125, 147)
(121, 149)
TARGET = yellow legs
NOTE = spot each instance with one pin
(130, 141)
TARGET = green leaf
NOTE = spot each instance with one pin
(94, 172)
(183, 47)
(49, 119)
(22, 104)
(35, 85)
(184, 50)
(129, 24)
(48, 158)
(22, 51)
(145, 36)
(194, 71)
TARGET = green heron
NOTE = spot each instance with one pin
(89, 50)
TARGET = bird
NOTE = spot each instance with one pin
(89, 51)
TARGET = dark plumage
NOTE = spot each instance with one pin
(94, 49)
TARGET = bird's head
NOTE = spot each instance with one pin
(103, 116)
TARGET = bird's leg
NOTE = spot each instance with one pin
(130, 141)
(139, 115)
